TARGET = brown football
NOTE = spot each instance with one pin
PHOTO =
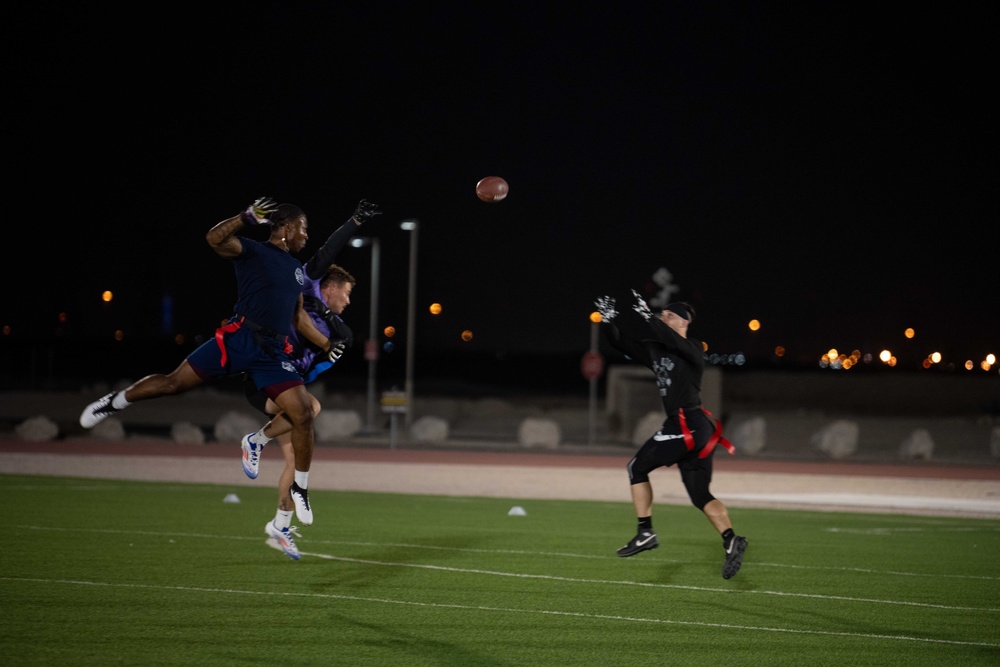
(492, 189)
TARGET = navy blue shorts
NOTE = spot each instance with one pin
(262, 358)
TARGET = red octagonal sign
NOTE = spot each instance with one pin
(592, 365)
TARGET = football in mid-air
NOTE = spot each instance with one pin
(492, 189)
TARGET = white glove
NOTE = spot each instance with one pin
(641, 307)
(257, 212)
(336, 352)
(606, 307)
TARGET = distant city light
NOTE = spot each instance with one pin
(435, 309)
(119, 334)
(754, 325)
(106, 296)
(935, 357)
(595, 317)
(466, 335)
(389, 332)
(909, 333)
(779, 351)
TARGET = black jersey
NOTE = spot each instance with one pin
(677, 362)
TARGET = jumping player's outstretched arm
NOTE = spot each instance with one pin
(222, 237)
(321, 261)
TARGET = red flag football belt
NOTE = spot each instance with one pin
(234, 325)
(716, 438)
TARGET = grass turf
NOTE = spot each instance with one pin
(115, 572)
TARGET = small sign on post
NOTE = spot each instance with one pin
(592, 365)
(394, 402)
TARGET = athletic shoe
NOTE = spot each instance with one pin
(734, 557)
(646, 539)
(251, 455)
(302, 508)
(98, 411)
(283, 539)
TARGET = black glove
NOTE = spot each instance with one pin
(257, 213)
(365, 211)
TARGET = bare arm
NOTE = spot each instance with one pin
(307, 327)
(223, 239)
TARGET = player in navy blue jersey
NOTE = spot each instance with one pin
(255, 340)
(689, 433)
(326, 293)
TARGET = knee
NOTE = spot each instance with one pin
(701, 500)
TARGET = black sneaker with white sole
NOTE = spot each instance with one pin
(646, 539)
(734, 557)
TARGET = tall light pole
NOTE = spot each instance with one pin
(411, 315)
(371, 345)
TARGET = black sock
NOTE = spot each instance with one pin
(727, 537)
(645, 523)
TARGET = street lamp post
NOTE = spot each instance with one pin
(411, 226)
(371, 345)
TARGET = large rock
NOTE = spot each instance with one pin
(233, 425)
(537, 432)
(334, 425)
(111, 428)
(37, 429)
(838, 440)
(917, 445)
(749, 436)
(186, 433)
(429, 429)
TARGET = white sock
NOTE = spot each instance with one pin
(260, 438)
(302, 479)
(119, 402)
(283, 519)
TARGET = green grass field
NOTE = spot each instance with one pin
(108, 572)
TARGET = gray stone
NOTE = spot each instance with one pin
(111, 428)
(538, 432)
(429, 429)
(334, 425)
(186, 433)
(838, 440)
(917, 445)
(749, 436)
(233, 425)
(38, 429)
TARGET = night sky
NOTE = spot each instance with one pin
(825, 167)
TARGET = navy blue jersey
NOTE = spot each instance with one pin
(268, 282)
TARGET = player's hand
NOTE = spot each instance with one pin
(606, 307)
(336, 352)
(365, 211)
(257, 213)
(641, 307)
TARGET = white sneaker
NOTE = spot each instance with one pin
(302, 509)
(98, 411)
(251, 455)
(283, 540)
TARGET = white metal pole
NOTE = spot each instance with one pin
(411, 333)
(373, 335)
